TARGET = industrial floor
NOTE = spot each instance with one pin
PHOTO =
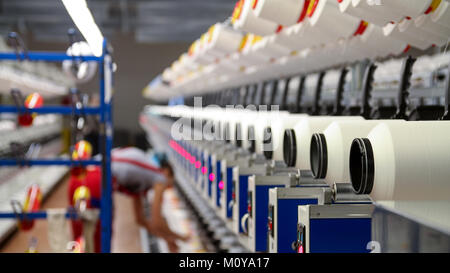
(124, 226)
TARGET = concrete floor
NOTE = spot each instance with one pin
(126, 236)
(126, 232)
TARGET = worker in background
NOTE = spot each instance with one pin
(133, 175)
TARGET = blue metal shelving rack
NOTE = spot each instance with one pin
(104, 110)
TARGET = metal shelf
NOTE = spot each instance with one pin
(46, 56)
(106, 132)
(64, 110)
(48, 162)
(33, 215)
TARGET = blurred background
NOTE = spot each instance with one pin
(156, 31)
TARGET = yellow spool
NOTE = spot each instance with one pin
(81, 193)
(83, 150)
(434, 5)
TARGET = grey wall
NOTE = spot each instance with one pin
(137, 65)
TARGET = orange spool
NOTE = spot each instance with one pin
(78, 246)
(32, 204)
(237, 11)
(82, 150)
(312, 8)
(32, 101)
(81, 197)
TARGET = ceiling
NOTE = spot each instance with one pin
(149, 20)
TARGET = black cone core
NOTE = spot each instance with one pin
(319, 156)
(238, 135)
(226, 132)
(289, 148)
(362, 167)
(251, 139)
(268, 144)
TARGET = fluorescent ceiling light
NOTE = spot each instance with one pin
(83, 19)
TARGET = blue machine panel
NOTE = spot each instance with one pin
(349, 235)
(208, 182)
(229, 188)
(287, 222)
(196, 170)
(260, 218)
(202, 178)
(218, 179)
(243, 195)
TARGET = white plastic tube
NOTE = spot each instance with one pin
(346, 6)
(380, 45)
(411, 8)
(391, 30)
(325, 24)
(234, 62)
(376, 14)
(282, 12)
(248, 21)
(269, 49)
(273, 147)
(286, 39)
(309, 36)
(403, 161)
(247, 56)
(203, 59)
(332, 23)
(330, 150)
(442, 14)
(223, 40)
(329, 55)
(251, 58)
(353, 49)
(426, 23)
(408, 26)
(301, 136)
(291, 65)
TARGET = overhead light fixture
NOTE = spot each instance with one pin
(83, 19)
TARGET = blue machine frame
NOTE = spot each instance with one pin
(241, 198)
(336, 228)
(227, 194)
(258, 200)
(283, 205)
(105, 140)
(218, 177)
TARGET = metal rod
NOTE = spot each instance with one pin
(46, 56)
(33, 215)
(65, 110)
(47, 162)
(106, 146)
